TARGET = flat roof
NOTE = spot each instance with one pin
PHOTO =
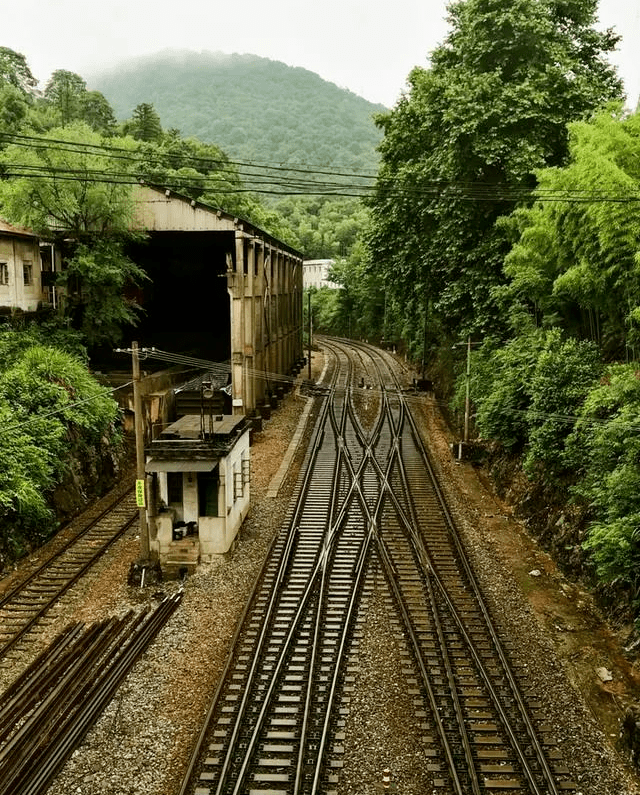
(190, 426)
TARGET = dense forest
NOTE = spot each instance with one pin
(255, 109)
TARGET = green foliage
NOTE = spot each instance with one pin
(489, 112)
(13, 109)
(41, 196)
(577, 264)
(253, 108)
(64, 92)
(325, 310)
(325, 227)
(500, 388)
(95, 215)
(605, 449)
(144, 125)
(46, 395)
(100, 275)
(97, 113)
(14, 71)
(565, 372)
(528, 394)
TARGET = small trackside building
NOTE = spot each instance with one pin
(200, 480)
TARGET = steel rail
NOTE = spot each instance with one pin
(78, 572)
(315, 583)
(394, 454)
(429, 573)
(513, 684)
(282, 569)
(100, 660)
(6, 597)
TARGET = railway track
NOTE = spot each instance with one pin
(25, 606)
(367, 498)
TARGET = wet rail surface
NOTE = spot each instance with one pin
(26, 604)
(368, 498)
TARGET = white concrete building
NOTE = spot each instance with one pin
(315, 273)
(200, 470)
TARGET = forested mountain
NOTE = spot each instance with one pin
(253, 108)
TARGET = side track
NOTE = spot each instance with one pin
(23, 607)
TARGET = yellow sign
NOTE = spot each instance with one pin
(140, 493)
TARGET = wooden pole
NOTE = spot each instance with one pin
(140, 473)
(309, 362)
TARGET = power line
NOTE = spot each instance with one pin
(265, 181)
(68, 406)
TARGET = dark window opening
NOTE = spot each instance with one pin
(174, 488)
(208, 493)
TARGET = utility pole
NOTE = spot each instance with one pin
(140, 462)
(466, 397)
(309, 362)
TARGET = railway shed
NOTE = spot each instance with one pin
(221, 287)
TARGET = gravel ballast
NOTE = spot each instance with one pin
(142, 742)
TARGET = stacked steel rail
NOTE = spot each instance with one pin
(47, 711)
(364, 497)
(23, 607)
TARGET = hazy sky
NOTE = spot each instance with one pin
(367, 46)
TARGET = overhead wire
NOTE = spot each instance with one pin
(224, 368)
(67, 407)
(278, 180)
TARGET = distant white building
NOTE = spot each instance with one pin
(315, 272)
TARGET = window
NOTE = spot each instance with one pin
(27, 270)
(4, 273)
(238, 486)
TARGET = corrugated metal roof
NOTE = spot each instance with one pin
(218, 380)
(10, 229)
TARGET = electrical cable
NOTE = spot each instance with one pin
(72, 405)
(462, 190)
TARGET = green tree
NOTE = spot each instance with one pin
(99, 277)
(14, 71)
(48, 403)
(576, 263)
(97, 113)
(65, 92)
(61, 191)
(605, 446)
(491, 110)
(13, 109)
(54, 187)
(145, 124)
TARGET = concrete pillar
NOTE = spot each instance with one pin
(235, 286)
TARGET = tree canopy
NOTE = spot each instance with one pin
(491, 110)
(576, 262)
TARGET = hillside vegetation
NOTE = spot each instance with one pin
(253, 108)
